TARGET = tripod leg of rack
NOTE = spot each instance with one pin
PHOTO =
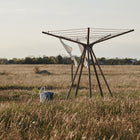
(71, 72)
(89, 75)
(96, 74)
(75, 75)
(102, 74)
(82, 64)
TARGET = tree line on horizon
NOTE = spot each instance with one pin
(67, 60)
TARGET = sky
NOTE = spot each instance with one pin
(22, 23)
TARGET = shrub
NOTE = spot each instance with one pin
(3, 73)
(36, 70)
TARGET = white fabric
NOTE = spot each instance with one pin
(85, 61)
(69, 50)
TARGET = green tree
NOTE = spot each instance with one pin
(59, 59)
(28, 60)
(52, 60)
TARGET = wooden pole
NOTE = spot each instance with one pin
(102, 73)
(71, 71)
(96, 74)
(88, 49)
(65, 38)
(89, 75)
(75, 75)
(107, 38)
(80, 73)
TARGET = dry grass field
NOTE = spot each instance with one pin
(22, 116)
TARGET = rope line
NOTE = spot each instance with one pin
(81, 33)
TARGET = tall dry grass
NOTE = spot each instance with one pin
(120, 78)
(72, 119)
(23, 117)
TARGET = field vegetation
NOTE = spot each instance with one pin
(22, 116)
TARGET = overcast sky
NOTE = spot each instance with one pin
(22, 21)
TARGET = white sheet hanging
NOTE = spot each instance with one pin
(69, 50)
